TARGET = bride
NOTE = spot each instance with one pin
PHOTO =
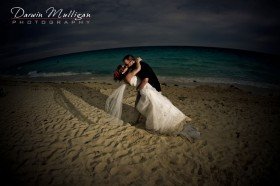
(161, 115)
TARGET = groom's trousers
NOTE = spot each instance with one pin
(137, 98)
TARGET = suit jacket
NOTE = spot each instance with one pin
(147, 72)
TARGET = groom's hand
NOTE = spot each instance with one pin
(143, 83)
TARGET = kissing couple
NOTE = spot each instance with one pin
(160, 114)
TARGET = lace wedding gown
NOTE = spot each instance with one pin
(161, 115)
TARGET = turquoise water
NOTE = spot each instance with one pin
(181, 63)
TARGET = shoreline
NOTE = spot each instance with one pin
(164, 81)
(89, 79)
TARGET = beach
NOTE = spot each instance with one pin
(57, 133)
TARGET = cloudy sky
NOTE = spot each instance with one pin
(240, 24)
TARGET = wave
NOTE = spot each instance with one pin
(55, 74)
(163, 79)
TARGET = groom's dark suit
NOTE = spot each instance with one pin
(147, 72)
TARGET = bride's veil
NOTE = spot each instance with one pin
(114, 102)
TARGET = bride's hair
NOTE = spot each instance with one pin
(118, 76)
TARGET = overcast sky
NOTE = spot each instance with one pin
(241, 24)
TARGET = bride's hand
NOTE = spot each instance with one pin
(138, 59)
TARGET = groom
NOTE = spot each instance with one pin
(146, 74)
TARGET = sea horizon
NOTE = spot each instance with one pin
(182, 64)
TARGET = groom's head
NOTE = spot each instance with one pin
(128, 60)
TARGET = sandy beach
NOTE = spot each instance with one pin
(57, 133)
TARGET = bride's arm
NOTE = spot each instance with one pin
(134, 71)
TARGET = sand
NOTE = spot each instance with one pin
(55, 133)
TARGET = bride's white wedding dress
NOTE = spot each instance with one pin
(161, 115)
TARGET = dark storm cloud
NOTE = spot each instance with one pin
(249, 25)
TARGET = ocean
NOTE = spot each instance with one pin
(179, 64)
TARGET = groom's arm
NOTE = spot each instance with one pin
(146, 70)
(143, 83)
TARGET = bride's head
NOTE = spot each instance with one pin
(120, 72)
